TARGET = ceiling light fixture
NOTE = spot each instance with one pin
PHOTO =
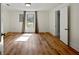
(28, 4)
(8, 4)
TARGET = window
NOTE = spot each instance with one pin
(30, 20)
(21, 18)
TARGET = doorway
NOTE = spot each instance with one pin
(57, 25)
(30, 22)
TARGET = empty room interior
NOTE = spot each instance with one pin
(39, 29)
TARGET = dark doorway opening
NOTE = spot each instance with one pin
(57, 23)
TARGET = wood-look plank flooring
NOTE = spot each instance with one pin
(36, 44)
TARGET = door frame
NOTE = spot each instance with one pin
(68, 36)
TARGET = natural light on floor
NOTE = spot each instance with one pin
(24, 37)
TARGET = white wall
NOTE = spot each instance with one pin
(43, 21)
(11, 21)
(4, 20)
(15, 25)
(52, 21)
(74, 22)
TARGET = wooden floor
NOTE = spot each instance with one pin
(36, 44)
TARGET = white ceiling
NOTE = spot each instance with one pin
(33, 7)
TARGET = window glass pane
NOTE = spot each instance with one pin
(30, 20)
(21, 18)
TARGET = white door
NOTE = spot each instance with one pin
(1, 34)
(64, 24)
(30, 22)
